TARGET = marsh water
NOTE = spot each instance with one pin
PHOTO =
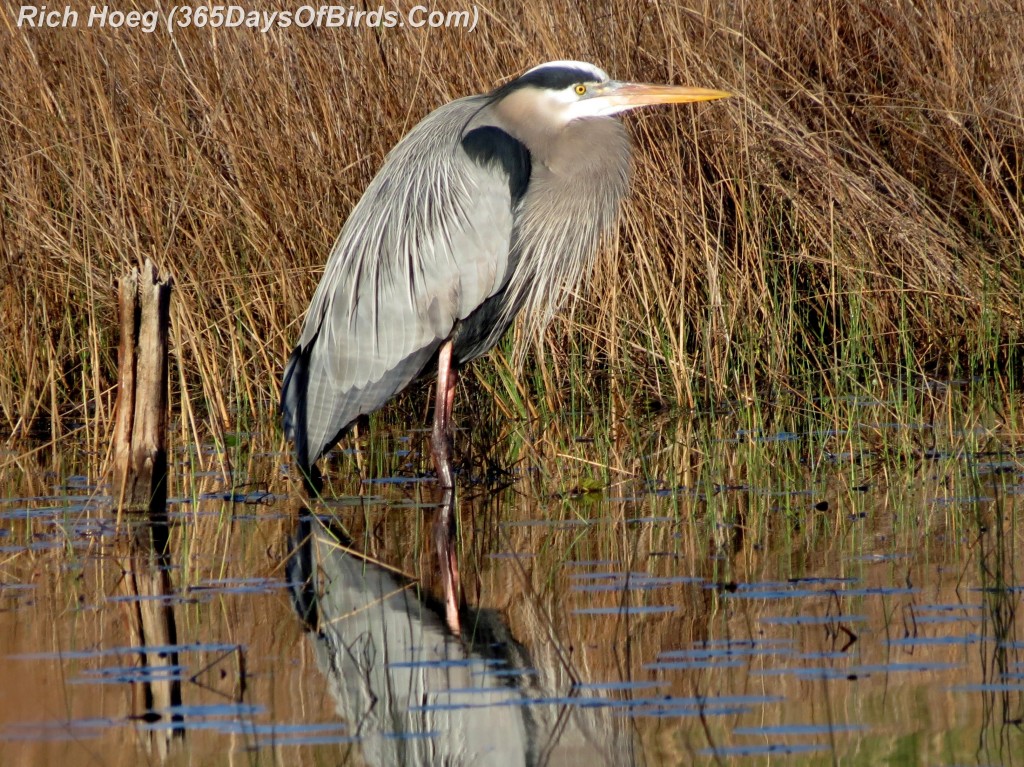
(809, 583)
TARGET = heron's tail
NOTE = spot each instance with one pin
(293, 416)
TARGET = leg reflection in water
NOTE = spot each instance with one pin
(445, 529)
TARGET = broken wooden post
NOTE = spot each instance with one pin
(140, 444)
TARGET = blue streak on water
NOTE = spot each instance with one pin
(760, 436)
(488, 690)
(987, 687)
(276, 728)
(633, 583)
(999, 589)
(214, 709)
(726, 651)
(688, 711)
(251, 498)
(817, 673)
(680, 665)
(166, 599)
(115, 651)
(38, 545)
(49, 512)
(294, 734)
(396, 480)
(606, 575)
(348, 502)
(956, 500)
(775, 594)
(556, 523)
(810, 620)
(131, 674)
(888, 668)
(16, 587)
(88, 499)
(617, 686)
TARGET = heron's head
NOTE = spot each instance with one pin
(560, 92)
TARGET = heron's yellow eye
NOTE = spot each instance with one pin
(580, 89)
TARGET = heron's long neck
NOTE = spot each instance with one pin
(587, 166)
(578, 180)
(595, 149)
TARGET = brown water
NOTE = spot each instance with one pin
(746, 596)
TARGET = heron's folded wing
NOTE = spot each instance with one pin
(425, 246)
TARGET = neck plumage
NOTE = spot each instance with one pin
(579, 176)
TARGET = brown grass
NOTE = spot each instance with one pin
(858, 201)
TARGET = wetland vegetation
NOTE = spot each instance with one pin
(752, 497)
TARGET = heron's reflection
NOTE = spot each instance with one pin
(416, 692)
(407, 685)
(447, 558)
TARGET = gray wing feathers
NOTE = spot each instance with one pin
(425, 246)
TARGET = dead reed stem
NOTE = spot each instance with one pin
(857, 203)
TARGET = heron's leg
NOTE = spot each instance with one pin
(449, 398)
(441, 437)
(444, 523)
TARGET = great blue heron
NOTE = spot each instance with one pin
(491, 205)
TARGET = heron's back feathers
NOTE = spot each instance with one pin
(426, 245)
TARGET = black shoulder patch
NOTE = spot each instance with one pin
(489, 145)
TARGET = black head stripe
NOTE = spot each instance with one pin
(549, 78)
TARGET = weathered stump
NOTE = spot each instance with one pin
(140, 444)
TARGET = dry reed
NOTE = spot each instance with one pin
(857, 203)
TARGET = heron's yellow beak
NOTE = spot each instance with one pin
(630, 95)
